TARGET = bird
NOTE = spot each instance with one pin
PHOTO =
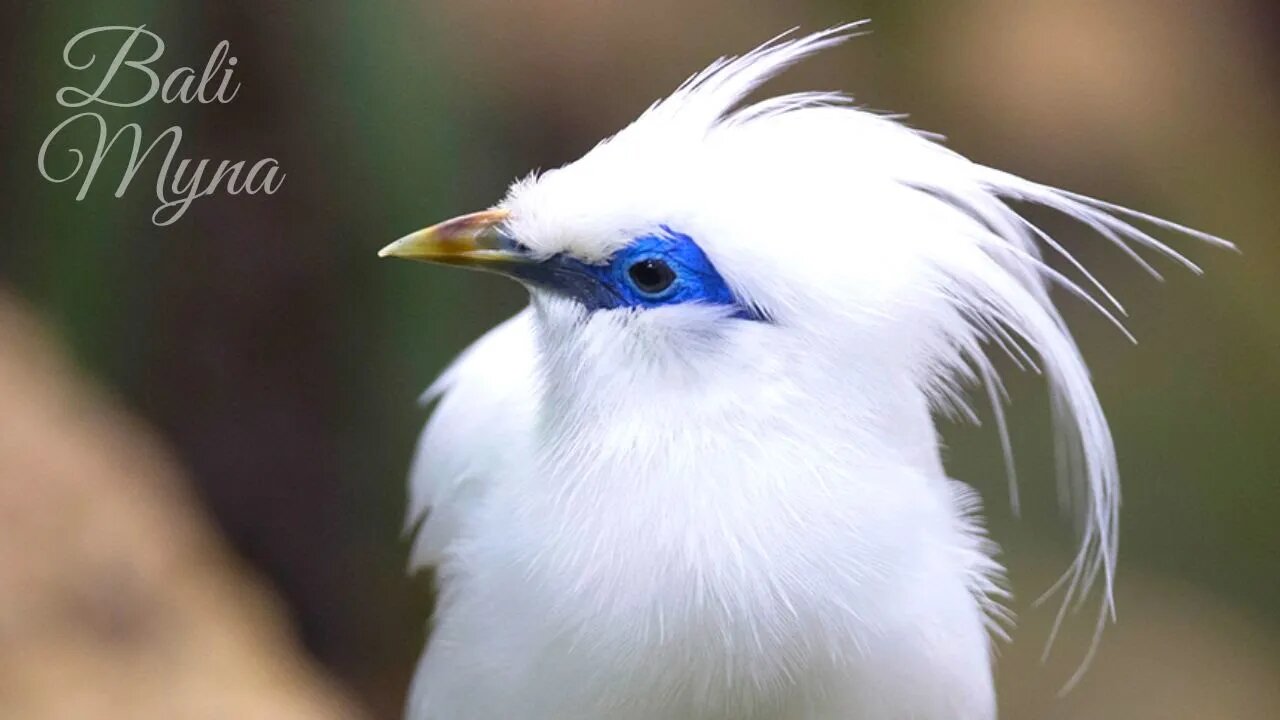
(698, 476)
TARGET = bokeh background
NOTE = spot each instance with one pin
(204, 428)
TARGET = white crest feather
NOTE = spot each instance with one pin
(998, 282)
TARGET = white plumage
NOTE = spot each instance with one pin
(736, 509)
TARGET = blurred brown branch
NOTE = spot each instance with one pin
(116, 598)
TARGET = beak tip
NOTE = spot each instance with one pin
(395, 249)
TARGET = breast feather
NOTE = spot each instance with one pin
(481, 425)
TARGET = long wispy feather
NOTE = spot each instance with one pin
(992, 273)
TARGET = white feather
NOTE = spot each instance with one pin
(673, 514)
(483, 421)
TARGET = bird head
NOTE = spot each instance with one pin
(699, 237)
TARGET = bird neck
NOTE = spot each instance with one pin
(785, 411)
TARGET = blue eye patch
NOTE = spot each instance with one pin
(666, 268)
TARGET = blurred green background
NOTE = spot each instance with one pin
(265, 346)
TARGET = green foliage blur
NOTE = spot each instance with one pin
(263, 338)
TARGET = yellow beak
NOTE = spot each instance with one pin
(476, 240)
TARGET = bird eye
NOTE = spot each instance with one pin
(651, 276)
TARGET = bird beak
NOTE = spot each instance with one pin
(477, 240)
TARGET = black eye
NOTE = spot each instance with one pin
(651, 276)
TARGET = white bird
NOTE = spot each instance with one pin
(699, 476)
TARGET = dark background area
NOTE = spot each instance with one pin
(263, 341)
